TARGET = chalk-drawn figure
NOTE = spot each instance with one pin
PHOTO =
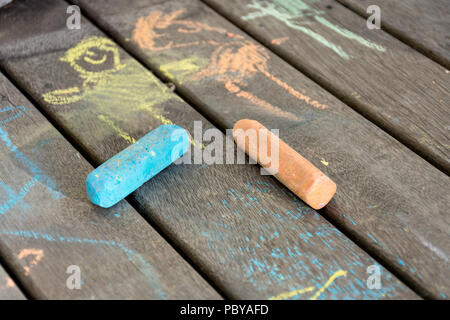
(93, 59)
(113, 89)
(233, 62)
(298, 15)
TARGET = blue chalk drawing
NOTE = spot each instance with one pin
(38, 175)
(133, 166)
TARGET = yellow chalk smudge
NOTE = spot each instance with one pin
(183, 68)
(337, 274)
(324, 162)
(121, 133)
(291, 294)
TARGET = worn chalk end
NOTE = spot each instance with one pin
(320, 192)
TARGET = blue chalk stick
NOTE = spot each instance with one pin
(133, 166)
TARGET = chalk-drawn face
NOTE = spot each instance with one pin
(94, 57)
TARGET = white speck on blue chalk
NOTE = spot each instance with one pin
(132, 167)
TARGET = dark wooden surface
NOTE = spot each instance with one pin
(389, 199)
(8, 288)
(399, 89)
(246, 232)
(423, 24)
(49, 224)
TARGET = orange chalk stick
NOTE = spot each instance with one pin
(295, 172)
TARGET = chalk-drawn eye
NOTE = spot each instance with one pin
(94, 55)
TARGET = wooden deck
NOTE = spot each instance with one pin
(370, 108)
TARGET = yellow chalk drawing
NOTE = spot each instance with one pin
(290, 294)
(85, 59)
(233, 62)
(337, 274)
(324, 162)
(121, 133)
(37, 253)
(181, 69)
(114, 87)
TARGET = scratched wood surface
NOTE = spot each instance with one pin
(391, 200)
(422, 24)
(49, 224)
(399, 89)
(8, 288)
(246, 232)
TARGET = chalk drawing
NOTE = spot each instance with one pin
(121, 133)
(10, 283)
(279, 41)
(134, 257)
(15, 198)
(268, 260)
(93, 51)
(298, 15)
(182, 69)
(146, 31)
(294, 293)
(112, 86)
(10, 113)
(234, 61)
(37, 254)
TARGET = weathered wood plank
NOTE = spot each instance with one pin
(49, 224)
(391, 200)
(251, 236)
(8, 288)
(422, 24)
(388, 82)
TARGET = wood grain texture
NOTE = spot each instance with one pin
(392, 201)
(422, 24)
(49, 224)
(8, 288)
(388, 82)
(246, 232)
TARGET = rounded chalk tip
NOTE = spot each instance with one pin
(320, 192)
(94, 192)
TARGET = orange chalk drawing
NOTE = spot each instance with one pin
(10, 283)
(232, 62)
(236, 61)
(279, 41)
(146, 29)
(38, 255)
